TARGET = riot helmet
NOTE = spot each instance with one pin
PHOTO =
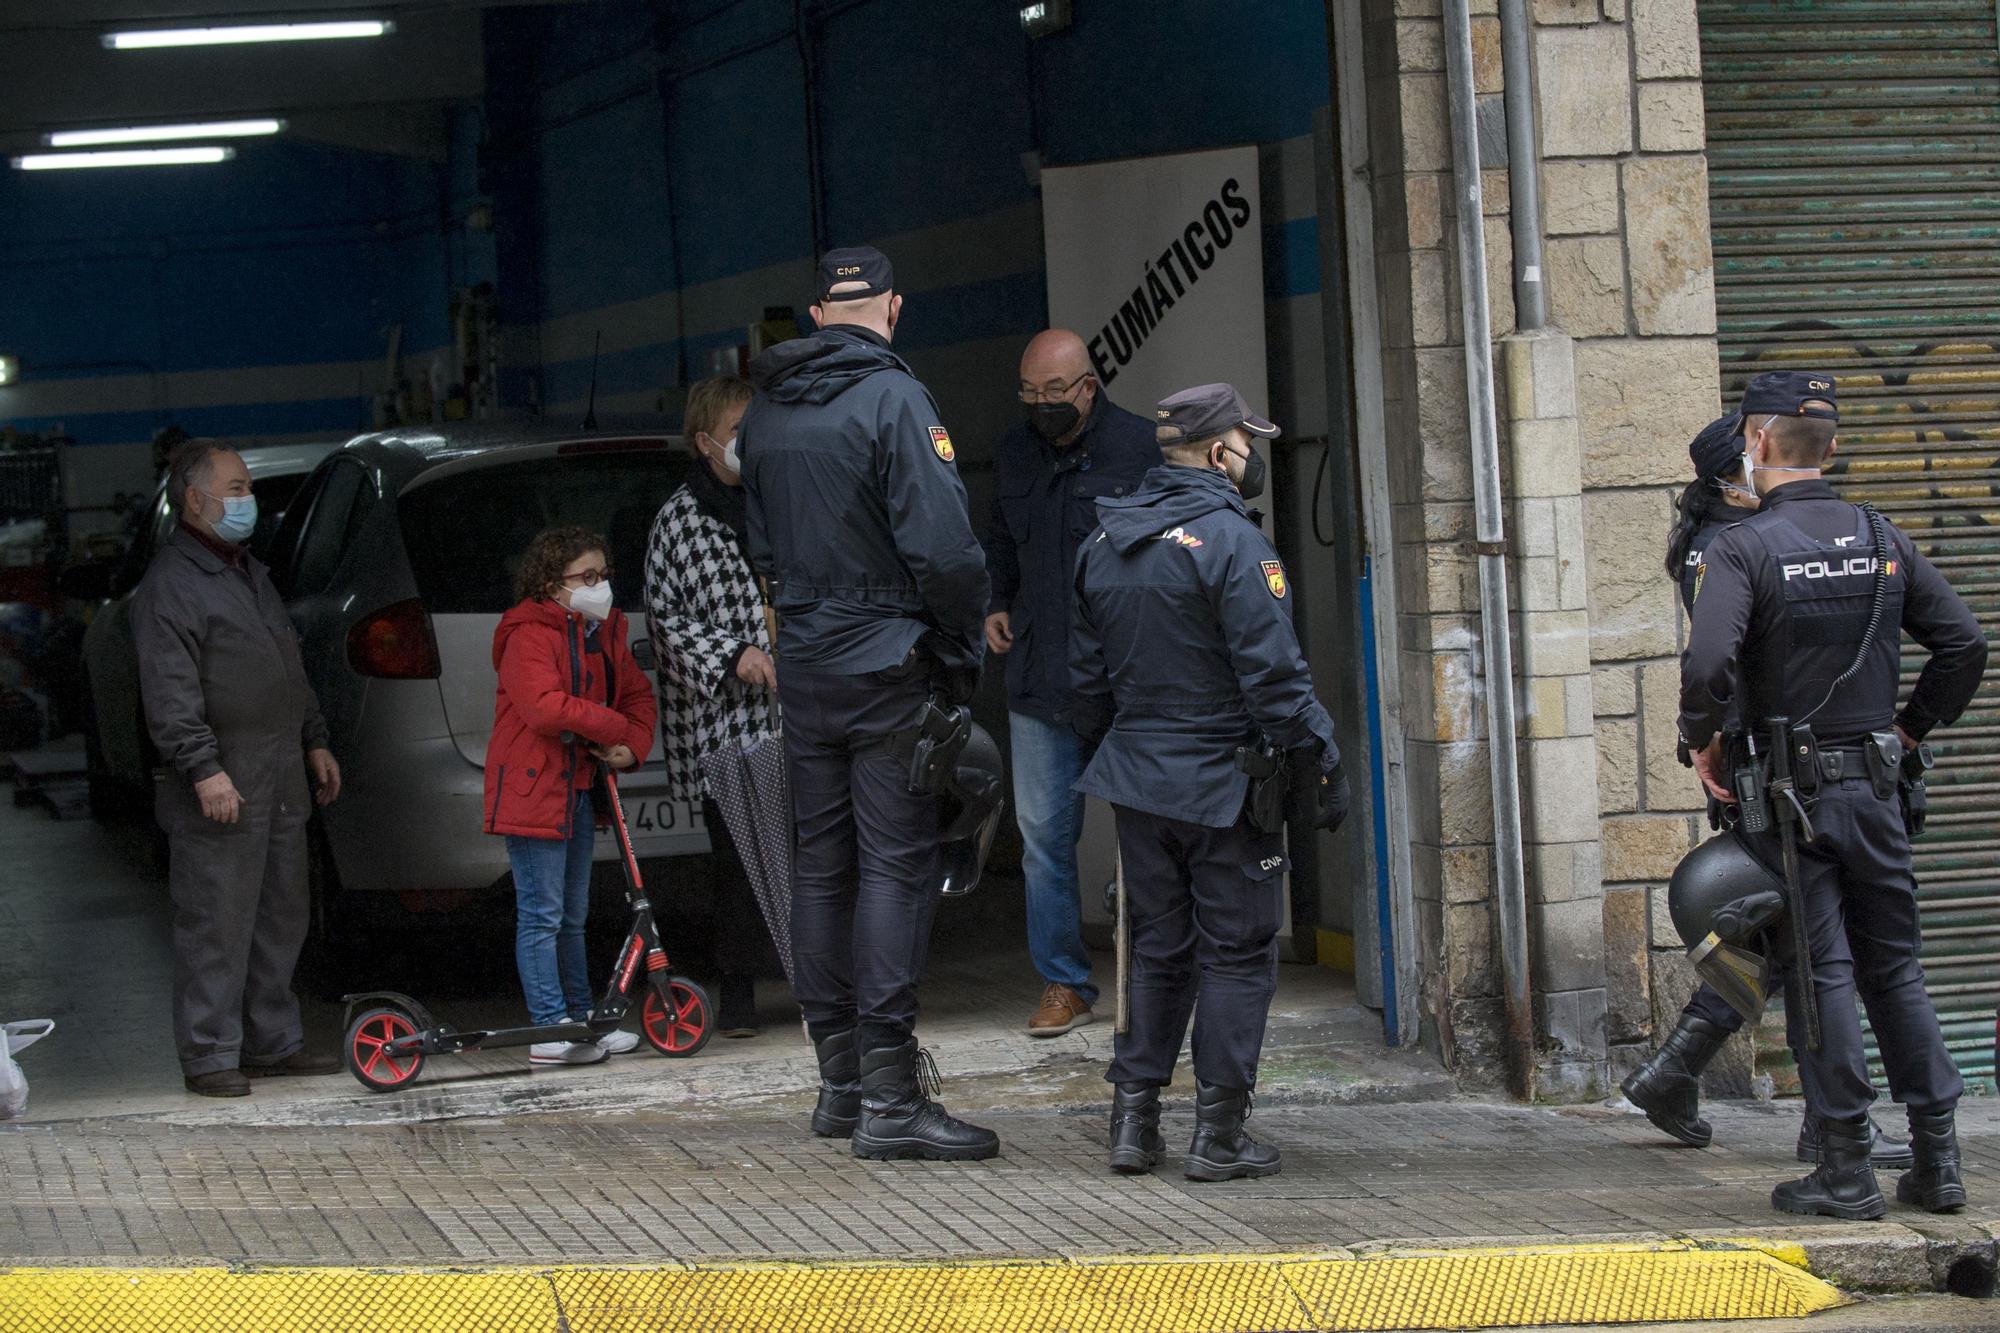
(973, 797)
(1722, 900)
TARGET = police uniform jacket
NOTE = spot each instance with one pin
(1183, 627)
(1044, 505)
(856, 512)
(1785, 595)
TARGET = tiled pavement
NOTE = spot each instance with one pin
(689, 1186)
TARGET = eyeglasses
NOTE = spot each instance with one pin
(589, 578)
(1035, 394)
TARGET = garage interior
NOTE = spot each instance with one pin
(502, 212)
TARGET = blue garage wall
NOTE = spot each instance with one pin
(237, 299)
(619, 192)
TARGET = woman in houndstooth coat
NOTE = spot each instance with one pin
(712, 646)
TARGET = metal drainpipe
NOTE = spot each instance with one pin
(1491, 544)
(1524, 193)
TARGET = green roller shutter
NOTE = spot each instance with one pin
(1854, 172)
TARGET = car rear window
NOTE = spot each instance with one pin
(465, 533)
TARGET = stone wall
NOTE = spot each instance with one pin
(1632, 279)
(1595, 416)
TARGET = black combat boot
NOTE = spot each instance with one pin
(899, 1119)
(1843, 1184)
(1136, 1145)
(1221, 1149)
(1884, 1153)
(1668, 1086)
(1934, 1185)
(839, 1086)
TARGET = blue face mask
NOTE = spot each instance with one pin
(239, 516)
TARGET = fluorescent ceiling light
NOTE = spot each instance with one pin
(150, 38)
(208, 129)
(128, 157)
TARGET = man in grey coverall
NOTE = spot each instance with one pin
(238, 730)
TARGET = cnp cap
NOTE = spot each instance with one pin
(860, 263)
(1718, 447)
(1205, 411)
(1785, 393)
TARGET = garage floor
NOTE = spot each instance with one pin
(84, 940)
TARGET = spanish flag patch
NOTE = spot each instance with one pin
(1274, 578)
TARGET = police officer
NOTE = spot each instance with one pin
(1783, 601)
(1667, 1087)
(1184, 653)
(1075, 447)
(857, 516)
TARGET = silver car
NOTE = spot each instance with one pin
(397, 561)
(117, 750)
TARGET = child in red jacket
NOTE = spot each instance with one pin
(571, 696)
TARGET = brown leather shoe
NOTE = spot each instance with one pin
(218, 1083)
(299, 1064)
(1061, 1010)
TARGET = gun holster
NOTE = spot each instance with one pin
(1269, 781)
(935, 743)
(1911, 783)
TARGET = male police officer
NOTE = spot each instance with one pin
(1667, 1087)
(1075, 447)
(859, 519)
(1783, 601)
(1183, 648)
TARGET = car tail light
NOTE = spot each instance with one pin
(395, 643)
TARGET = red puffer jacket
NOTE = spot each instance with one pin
(555, 678)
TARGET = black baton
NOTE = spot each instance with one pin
(1791, 814)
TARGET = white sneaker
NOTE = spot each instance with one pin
(566, 1053)
(618, 1042)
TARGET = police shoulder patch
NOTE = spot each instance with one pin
(1700, 573)
(1274, 577)
(941, 443)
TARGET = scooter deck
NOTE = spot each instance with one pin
(448, 1041)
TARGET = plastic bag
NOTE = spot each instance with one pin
(13, 1083)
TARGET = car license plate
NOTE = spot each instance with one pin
(657, 815)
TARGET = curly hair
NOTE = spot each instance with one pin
(551, 551)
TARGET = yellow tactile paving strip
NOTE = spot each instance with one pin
(1407, 1289)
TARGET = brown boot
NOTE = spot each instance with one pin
(299, 1064)
(1061, 1010)
(218, 1083)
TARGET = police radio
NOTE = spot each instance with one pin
(1753, 803)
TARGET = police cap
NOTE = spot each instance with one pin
(858, 263)
(1205, 411)
(1785, 393)
(1716, 450)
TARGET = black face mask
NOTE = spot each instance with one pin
(1052, 421)
(1252, 484)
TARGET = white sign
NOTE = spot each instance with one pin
(1158, 263)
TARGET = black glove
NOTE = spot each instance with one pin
(1334, 795)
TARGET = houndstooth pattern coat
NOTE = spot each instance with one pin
(703, 609)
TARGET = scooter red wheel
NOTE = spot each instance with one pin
(680, 1021)
(369, 1057)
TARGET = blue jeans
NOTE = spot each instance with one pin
(551, 902)
(1048, 759)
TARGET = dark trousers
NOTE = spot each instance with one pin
(736, 942)
(1708, 1005)
(1204, 906)
(241, 908)
(865, 874)
(1861, 919)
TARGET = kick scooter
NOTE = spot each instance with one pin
(388, 1043)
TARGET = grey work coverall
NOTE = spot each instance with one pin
(225, 692)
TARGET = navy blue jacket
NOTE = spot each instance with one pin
(1044, 505)
(1183, 624)
(1780, 601)
(857, 515)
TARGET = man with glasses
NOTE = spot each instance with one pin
(1073, 448)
